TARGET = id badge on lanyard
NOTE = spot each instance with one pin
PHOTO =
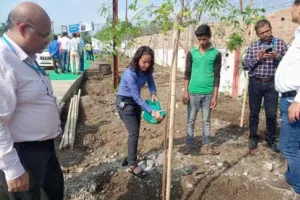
(36, 68)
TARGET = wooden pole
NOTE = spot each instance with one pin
(241, 5)
(166, 132)
(247, 77)
(67, 127)
(126, 11)
(77, 100)
(172, 105)
(166, 147)
(116, 58)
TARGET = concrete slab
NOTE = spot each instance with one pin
(60, 88)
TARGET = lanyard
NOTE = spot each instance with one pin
(273, 43)
(36, 68)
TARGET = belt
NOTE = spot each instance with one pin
(289, 94)
(127, 100)
(264, 80)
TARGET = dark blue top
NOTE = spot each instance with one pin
(131, 84)
(54, 49)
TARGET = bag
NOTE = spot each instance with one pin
(154, 106)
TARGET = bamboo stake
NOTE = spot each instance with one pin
(75, 119)
(72, 120)
(246, 83)
(67, 127)
(172, 105)
(166, 132)
(165, 148)
(66, 142)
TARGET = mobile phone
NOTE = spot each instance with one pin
(269, 50)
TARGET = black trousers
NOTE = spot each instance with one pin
(259, 90)
(130, 114)
(40, 161)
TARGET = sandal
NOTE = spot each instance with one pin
(138, 159)
(137, 171)
(207, 149)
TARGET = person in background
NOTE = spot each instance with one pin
(54, 53)
(29, 114)
(81, 52)
(60, 48)
(74, 49)
(92, 53)
(202, 80)
(287, 82)
(65, 55)
(262, 59)
(88, 50)
(130, 104)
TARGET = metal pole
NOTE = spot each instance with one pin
(115, 18)
(52, 27)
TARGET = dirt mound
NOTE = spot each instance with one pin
(93, 169)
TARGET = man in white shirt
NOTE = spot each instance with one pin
(74, 49)
(29, 115)
(65, 54)
(81, 53)
(287, 82)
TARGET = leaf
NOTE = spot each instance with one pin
(145, 1)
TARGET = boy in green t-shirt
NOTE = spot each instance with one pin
(202, 80)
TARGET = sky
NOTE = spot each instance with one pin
(66, 12)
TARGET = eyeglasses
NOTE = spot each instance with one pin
(42, 34)
(265, 32)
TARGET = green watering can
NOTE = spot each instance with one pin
(154, 106)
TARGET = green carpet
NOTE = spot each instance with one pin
(67, 75)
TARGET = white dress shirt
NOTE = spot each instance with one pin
(287, 77)
(74, 45)
(64, 42)
(28, 109)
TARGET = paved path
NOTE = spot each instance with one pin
(60, 88)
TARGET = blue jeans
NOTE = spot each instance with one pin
(65, 60)
(82, 61)
(88, 55)
(196, 103)
(289, 144)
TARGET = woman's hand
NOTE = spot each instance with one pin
(156, 115)
(154, 98)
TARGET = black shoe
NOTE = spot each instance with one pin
(252, 144)
(273, 146)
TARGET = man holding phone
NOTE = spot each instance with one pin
(262, 60)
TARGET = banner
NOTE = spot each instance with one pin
(86, 26)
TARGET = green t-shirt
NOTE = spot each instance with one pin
(88, 47)
(202, 72)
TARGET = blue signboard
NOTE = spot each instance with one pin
(73, 28)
